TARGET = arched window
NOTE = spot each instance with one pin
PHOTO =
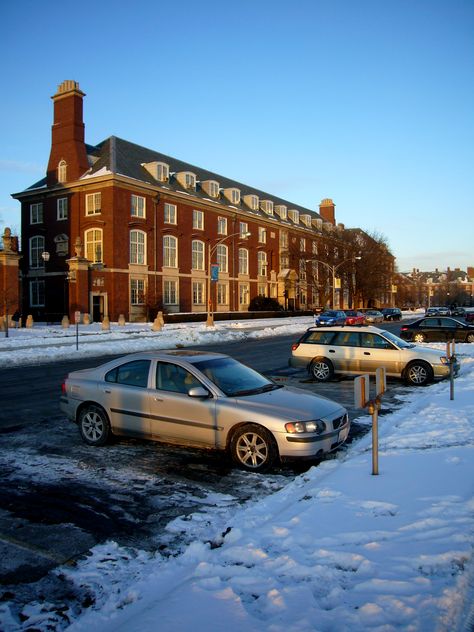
(137, 247)
(62, 171)
(36, 248)
(222, 257)
(262, 263)
(93, 244)
(243, 261)
(170, 251)
(197, 255)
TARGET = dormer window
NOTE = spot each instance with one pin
(281, 210)
(306, 219)
(62, 171)
(318, 223)
(159, 170)
(233, 195)
(267, 206)
(211, 187)
(252, 202)
(294, 215)
(186, 179)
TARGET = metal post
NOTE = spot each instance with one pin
(373, 410)
(210, 319)
(451, 359)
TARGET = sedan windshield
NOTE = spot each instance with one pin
(234, 378)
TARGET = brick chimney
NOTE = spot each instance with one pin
(327, 210)
(68, 157)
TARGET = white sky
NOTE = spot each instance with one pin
(335, 549)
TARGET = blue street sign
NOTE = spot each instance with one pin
(214, 272)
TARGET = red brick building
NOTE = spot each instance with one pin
(117, 228)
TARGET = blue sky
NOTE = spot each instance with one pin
(368, 102)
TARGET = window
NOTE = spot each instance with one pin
(244, 229)
(284, 261)
(262, 289)
(222, 294)
(198, 293)
(302, 270)
(281, 210)
(267, 206)
(137, 247)
(162, 171)
(262, 235)
(62, 171)
(36, 248)
(138, 206)
(62, 209)
(132, 373)
(198, 220)
(262, 263)
(294, 215)
(222, 225)
(233, 195)
(137, 291)
(93, 203)
(174, 378)
(36, 213)
(243, 261)
(222, 256)
(213, 188)
(189, 180)
(243, 294)
(170, 251)
(37, 293)
(284, 240)
(302, 244)
(252, 202)
(170, 292)
(314, 248)
(93, 243)
(197, 260)
(170, 214)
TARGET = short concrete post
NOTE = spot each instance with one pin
(121, 320)
(105, 323)
(86, 319)
(65, 322)
(157, 326)
(29, 321)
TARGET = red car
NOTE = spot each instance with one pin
(353, 317)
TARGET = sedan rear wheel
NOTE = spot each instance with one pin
(419, 337)
(322, 369)
(470, 338)
(253, 448)
(419, 373)
(94, 425)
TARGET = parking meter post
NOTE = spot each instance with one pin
(374, 410)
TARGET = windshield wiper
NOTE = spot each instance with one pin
(256, 391)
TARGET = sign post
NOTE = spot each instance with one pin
(362, 400)
(77, 318)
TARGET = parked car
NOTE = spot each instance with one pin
(469, 316)
(438, 311)
(391, 313)
(458, 311)
(437, 329)
(330, 317)
(373, 316)
(354, 317)
(206, 400)
(355, 350)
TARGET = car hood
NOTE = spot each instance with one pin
(292, 404)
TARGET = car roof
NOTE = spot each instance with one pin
(189, 355)
(368, 328)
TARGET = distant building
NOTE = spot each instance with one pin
(439, 287)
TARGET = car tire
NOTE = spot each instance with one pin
(253, 448)
(94, 425)
(419, 373)
(470, 338)
(322, 369)
(419, 337)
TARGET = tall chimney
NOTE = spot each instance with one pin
(68, 156)
(327, 210)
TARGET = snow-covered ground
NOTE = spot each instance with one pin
(336, 549)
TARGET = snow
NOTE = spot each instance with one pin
(337, 548)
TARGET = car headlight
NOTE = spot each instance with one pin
(298, 427)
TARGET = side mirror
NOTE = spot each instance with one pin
(198, 391)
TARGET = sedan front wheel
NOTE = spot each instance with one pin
(253, 448)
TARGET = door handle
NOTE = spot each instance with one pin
(107, 391)
(332, 351)
(158, 399)
(366, 352)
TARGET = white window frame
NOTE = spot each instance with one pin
(213, 188)
(170, 292)
(36, 213)
(262, 235)
(36, 247)
(137, 291)
(244, 294)
(93, 203)
(61, 209)
(243, 261)
(37, 293)
(170, 251)
(262, 263)
(198, 219)
(222, 257)
(197, 254)
(222, 293)
(170, 213)
(138, 206)
(198, 291)
(222, 225)
(93, 245)
(62, 171)
(138, 247)
(243, 229)
(302, 244)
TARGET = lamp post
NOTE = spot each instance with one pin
(333, 269)
(210, 252)
(45, 256)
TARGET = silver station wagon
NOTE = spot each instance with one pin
(206, 400)
(355, 350)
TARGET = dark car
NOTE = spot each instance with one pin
(330, 317)
(469, 316)
(391, 313)
(437, 329)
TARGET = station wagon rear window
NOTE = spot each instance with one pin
(319, 337)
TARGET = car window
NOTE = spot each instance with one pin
(374, 341)
(346, 339)
(448, 322)
(430, 322)
(174, 378)
(234, 378)
(319, 337)
(131, 373)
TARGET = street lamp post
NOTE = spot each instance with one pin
(45, 256)
(333, 269)
(210, 252)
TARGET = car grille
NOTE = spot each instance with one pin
(338, 422)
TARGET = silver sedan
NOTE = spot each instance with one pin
(206, 400)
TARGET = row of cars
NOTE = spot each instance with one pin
(331, 317)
